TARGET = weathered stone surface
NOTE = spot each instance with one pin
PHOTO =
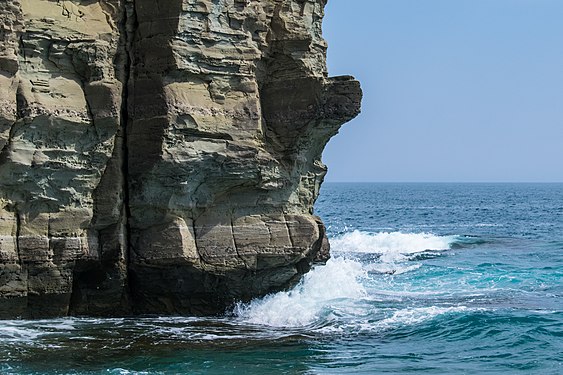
(161, 158)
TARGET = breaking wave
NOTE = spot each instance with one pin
(392, 246)
(343, 290)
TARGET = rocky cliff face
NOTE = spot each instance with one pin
(161, 157)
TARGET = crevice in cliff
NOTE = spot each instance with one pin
(17, 234)
(22, 48)
(21, 105)
(246, 266)
(289, 232)
(129, 30)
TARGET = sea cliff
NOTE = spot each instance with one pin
(161, 156)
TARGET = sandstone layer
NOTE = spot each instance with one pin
(161, 156)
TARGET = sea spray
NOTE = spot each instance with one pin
(393, 246)
(326, 288)
(337, 288)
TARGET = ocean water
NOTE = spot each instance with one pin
(424, 278)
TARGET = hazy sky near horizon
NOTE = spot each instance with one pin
(454, 90)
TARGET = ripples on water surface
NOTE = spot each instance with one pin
(427, 278)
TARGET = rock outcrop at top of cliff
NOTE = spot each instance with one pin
(161, 156)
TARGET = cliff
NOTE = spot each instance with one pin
(161, 156)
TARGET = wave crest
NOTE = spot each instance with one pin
(337, 291)
(322, 291)
(390, 242)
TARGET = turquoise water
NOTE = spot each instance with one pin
(425, 278)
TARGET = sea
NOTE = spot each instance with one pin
(424, 278)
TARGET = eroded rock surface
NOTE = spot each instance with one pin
(161, 157)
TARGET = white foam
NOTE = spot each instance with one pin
(337, 290)
(67, 324)
(122, 371)
(14, 333)
(393, 246)
(416, 315)
(334, 285)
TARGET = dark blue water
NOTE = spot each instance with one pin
(425, 278)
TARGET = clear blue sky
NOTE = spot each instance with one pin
(454, 90)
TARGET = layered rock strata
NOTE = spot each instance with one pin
(161, 157)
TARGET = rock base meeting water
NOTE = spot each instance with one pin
(424, 278)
